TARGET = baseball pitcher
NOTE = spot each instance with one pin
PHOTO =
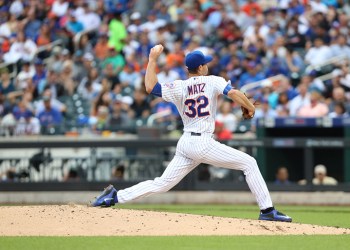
(196, 99)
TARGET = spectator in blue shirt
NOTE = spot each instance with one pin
(21, 111)
(282, 176)
(73, 25)
(39, 77)
(252, 75)
(295, 8)
(32, 26)
(163, 106)
(276, 66)
(49, 117)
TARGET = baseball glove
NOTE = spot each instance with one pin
(245, 111)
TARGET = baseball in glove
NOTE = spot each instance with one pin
(245, 111)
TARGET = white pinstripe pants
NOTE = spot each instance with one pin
(190, 152)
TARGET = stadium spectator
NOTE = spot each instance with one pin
(17, 8)
(54, 62)
(89, 19)
(73, 25)
(221, 132)
(252, 74)
(6, 83)
(252, 8)
(121, 114)
(303, 99)
(140, 106)
(319, 53)
(339, 111)
(31, 25)
(135, 19)
(340, 47)
(54, 103)
(282, 107)
(338, 96)
(171, 114)
(115, 59)
(321, 177)
(60, 7)
(118, 173)
(282, 176)
(167, 74)
(129, 77)
(262, 111)
(316, 108)
(294, 39)
(66, 77)
(50, 118)
(44, 36)
(226, 116)
(117, 33)
(103, 99)
(90, 86)
(101, 48)
(26, 123)
(39, 77)
(101, 121)
(24, 78)
(22, 48)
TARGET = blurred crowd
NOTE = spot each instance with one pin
(81, 63)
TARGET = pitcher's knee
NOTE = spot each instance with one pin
(251, 164)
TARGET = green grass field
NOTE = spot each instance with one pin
(324, 215)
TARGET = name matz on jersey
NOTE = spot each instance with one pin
(196, 100)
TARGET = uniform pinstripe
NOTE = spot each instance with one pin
(196, 100)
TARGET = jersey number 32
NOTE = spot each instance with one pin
(196, 106)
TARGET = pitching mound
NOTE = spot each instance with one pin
(77, 220)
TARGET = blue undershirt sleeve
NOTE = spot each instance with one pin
(157, 90)
(227, 89)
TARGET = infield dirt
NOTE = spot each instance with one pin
(78, 220)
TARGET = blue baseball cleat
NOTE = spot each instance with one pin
(274, 215)
(107, 198)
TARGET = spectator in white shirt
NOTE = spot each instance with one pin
(17, 8)
(128, 77)
(56, 104)
(340, 48)
(153, 23)
(135, 20)
(23, 48)
(5, 31)
(60, 7)
(167, 74)
(319, 53)
(239, 16)
(226, 117)
(318, 6)
(301, 100)
(24, 77)
(89, 19)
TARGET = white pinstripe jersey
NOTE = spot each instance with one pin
(196, 100)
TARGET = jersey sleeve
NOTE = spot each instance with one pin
(222, 86)
(170, 91)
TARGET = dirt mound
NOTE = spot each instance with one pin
(77, 220)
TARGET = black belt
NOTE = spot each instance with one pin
(196, 134)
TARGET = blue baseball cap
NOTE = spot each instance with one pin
(196, 58)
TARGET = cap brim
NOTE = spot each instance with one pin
(208, 59)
